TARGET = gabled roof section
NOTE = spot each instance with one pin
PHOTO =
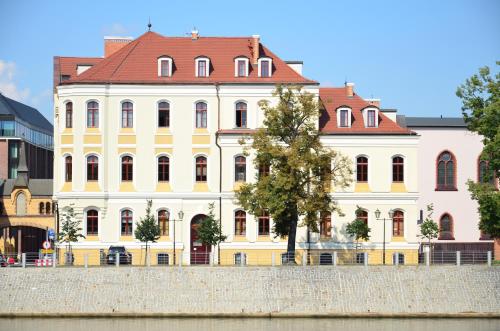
(333, 98)
(65, 67)
(136, 63)
(29, 115)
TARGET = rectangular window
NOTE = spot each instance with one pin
(325, 225)
(165, 68)
(264, 69)
(371, 118)
(242, 72)
(163, 118)
(92, 118)
(264, 224)
(202, 68)
(344, 121)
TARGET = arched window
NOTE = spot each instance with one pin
(127, 115)
(398, 221)
(325, 225)
(201, 115)
(92, 168)
(68, 166)
(201, 169)
(483, 173)
(264, 169)
(126, 222)
(163, 169)
(240, 169)
(163, 114)
(446, 228)
(41, 208)
(241, 115)
(127, 168)
(446, 170)
(397, 169)
(69, 115)
(264, 223)
(21, 204)
(92, 114)
(240, 223)
(92, 222)
(362, 169)
(362, 215)
(163, 217)
(47, 208)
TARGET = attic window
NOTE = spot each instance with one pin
(65, 77)
(344, 118)
(241, 67)
(202, 67)
(370, 117)
(265, 67)
(164, 67)
(81, 68)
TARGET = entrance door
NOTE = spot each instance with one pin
(200, 253)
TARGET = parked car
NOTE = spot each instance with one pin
(3, 261)
(125, 257)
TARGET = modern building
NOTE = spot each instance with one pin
(448, 156)
(160, 118)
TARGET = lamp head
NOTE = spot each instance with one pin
(181, 215)
(377, 213)
(391, 214)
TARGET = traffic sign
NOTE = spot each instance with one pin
(52, 234)
(46, 245)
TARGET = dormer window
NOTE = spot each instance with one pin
(202, 67)
(164, 67)
(370, 117)
(344, 117)
(241, 67)
(265, 67)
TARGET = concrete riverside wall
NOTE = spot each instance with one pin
(251, 291)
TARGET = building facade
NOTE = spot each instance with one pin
(448, 157)
(160, 118)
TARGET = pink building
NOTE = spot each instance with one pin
(448, 156)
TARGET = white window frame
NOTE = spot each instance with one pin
(234, 169)
(365, 116)
(194, 115)
(100, 171)
(157, 117)
(194, 168)
(133, 114)
(349, 117)
(169, 167)
(120, 235)
(165, 58)
(170, 230)
(270, 66)
(236, 71)
(99, 119)
(234, 114)
(207, 66)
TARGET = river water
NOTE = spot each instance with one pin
(252, 324)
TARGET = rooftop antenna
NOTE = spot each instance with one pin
(149, 24)
(345, 81)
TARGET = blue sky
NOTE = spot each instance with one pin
(411, 54)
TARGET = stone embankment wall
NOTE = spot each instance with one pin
(251, 291)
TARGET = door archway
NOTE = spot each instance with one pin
(200, 252)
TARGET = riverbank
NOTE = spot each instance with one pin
(355, 291)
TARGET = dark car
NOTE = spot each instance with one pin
(3, 261)
(125, 257)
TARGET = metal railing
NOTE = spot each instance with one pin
(455, 257)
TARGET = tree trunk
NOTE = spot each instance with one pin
(146, 258)
(292, 234)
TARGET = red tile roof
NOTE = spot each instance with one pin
(67, 66)
(136, 63)
(334, 97)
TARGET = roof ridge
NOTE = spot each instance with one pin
(127, 55)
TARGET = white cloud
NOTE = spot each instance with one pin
(8, 86)
(116, 29)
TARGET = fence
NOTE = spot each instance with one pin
(250, 258)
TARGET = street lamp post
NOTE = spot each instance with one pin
(181, 216)
(377, 215)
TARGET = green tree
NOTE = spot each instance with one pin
(147, 229)
(300, 168)
(70, 230)
(480, 96)
(209, 231)
(429, 229)
(358, 229)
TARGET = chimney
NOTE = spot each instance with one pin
(114, 44)
(349, 89)
(374, 102)
(255, 48)
(194, 34)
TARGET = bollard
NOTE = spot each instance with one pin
(54, 260)
(180, 259)
(489, 258)
(211, 258)
(427, 258)
(335, 259)
(148, 259)
(396, 258)
(23, 259)
(117, 262)
(365, 259)
(86, 260)
(273, 259)
(304, 259)
(458, 258)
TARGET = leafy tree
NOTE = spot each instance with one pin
(147, 229)
(209, 231)
(480, 96)
(429, 229)
(70, 230)
(301, 169)
(358, 229)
